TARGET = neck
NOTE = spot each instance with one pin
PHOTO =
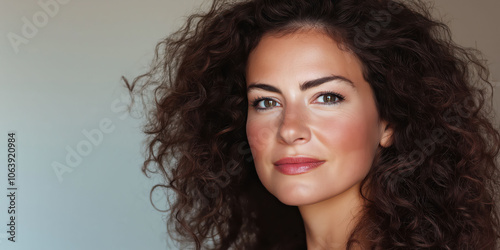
(329, 223)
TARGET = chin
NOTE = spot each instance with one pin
(297, 196)
(296, 200)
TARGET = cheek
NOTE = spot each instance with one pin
(259, 135)
(350, 138)
(260, 138)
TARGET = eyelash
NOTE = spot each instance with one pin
(256, 101)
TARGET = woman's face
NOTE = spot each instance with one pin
(312, 124)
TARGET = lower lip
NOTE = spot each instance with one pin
(298, 168)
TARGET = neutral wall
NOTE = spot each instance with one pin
(59, 85)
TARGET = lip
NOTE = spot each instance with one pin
(297, 165)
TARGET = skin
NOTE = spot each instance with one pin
(343, 131)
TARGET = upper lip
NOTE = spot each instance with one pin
(295, 160)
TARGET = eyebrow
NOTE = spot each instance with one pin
(304, 86)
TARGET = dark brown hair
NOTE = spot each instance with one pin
(432, 188)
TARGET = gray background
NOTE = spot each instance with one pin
(66, 80)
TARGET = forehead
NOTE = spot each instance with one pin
(302, 55)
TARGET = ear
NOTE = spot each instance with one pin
(387, 132)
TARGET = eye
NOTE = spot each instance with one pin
(330, 98)
(262, 103)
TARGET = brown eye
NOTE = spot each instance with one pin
(265, 103)
(330, 98)
(269, 103)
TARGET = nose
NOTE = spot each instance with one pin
(294, 127)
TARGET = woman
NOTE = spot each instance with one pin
(322, 125)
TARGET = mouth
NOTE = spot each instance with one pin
(297, 165)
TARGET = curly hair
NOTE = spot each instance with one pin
(434, 187)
